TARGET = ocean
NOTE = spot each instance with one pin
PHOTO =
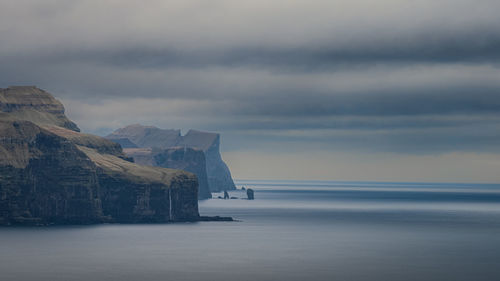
(293, 230)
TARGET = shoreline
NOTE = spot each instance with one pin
(42, 224)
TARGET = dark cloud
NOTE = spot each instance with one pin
(410, 77)
(476, 45)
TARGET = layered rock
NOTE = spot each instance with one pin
(182, 158)
(45, 178)
(34, 104)
(218, 174)
(50, 173)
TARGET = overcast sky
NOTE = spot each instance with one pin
(343, 90)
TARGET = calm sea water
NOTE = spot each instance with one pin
(292, 231)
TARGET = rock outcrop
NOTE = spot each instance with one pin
(52, 174)
(219, 176)
(149, 137)
(250, 194)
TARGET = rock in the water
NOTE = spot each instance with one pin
(243, 188)
(218, 174)
(52, 174)
(250, 194)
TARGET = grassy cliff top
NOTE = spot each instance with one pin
(36, 105)
(138, 173)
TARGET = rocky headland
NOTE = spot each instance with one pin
(168, 148)
(50, 173)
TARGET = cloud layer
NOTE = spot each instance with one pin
(399, 77)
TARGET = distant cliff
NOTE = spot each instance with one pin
(218, 174)
(182, 158)
(52, 174)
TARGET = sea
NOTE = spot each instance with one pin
(293, 230)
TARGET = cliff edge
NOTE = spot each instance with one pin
(156, 139)
(50, 173)
(182, 158)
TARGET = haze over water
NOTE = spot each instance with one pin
(292, 231)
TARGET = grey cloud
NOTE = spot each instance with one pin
(404, 76)
(479, 45)
(249, 94)
(434, 141)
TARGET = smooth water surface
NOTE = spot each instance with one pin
(292, 231)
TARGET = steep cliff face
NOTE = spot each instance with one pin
(53, 174)
(218, 174)
(186, 159)
(182, 158)
(136, 193)
(45, 178)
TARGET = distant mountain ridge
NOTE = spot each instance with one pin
(218, 174)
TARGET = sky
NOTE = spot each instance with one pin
(328, 90)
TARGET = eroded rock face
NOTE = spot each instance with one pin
(186, 159)
(182, 158)
(149, 137)
(219, 176)
(44, 178)
(52, 174)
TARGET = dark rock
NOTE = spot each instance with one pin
(219, 176)
(45, 178)
(243, 188)
(52, 174)
(232, 197)
(250, 194)
(216, 218)
(186, 159)
(182, 158)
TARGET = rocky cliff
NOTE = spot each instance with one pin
(182, 158)
(52, 174)
(218, 174)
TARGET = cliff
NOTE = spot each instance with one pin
(182, 158)
(218, 174)
(52, 174)
(32, 104)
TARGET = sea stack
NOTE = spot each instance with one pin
(250, 194)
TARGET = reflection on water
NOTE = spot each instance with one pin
(292, 231)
